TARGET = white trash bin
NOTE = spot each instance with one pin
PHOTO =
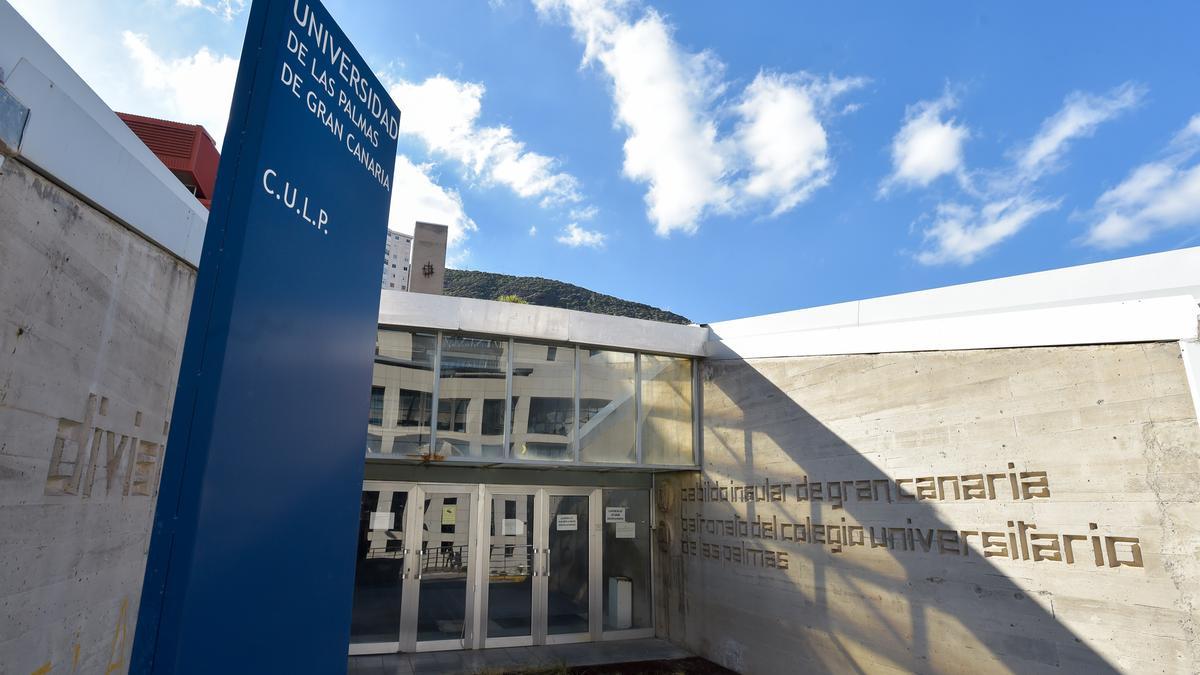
(620, 603)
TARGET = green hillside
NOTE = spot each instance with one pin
(549, 293)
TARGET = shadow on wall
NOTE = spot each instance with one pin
(897, 605)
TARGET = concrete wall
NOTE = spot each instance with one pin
(428, 248)
(1101, 443)
(92, 319)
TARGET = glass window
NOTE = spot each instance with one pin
(376, 418)
(666, 410)
(452, 414)
(553, 416)
(493, 417)
(607, 406)
(403, 377)
(415, 408)
(473, 370)
(409, 445)
(557, 411)
(543, 385)
(548, 451)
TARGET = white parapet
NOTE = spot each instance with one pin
(73, 137)
(439, 312)
(1142, 299)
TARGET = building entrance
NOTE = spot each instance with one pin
(466, 566)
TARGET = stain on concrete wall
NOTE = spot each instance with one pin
(92, 319)
(1016, 510)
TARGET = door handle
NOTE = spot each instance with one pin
(546, 562)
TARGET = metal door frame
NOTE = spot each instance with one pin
(595, 606)
(484, 578)
(408, 620)
(598, 631)
(408, 587)
(539, 603)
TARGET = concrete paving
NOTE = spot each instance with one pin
(515, 658)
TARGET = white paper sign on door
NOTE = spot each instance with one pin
(614, 514)
(512, 527)
(567, 522)
(382, 520)
(626, 530)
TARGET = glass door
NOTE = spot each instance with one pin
(540, 564)
(513, 566)
(568, 566)
(442, 568)
(381, 570)
(452, 566)
(626, 567)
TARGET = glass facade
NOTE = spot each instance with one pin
(543, 401)
(607, 406)
(402, 393)
(507, 400)
(472, 372)
(666, 409)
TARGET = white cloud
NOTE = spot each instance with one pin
(196, 89)
(583, 213)
(444, 114)
(660, 94)
(417, 196)
(458, 258)
(575, 236)
(1190, 133)
(1079, 117)
(668, 101)
(533, 230)
(927, 146)
(962, 233)
(226, 9)
(1155, 196)
(782, 137)
(132, 76)
(1007, 201)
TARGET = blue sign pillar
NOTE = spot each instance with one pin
(251, 562)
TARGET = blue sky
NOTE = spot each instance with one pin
(732, 159)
